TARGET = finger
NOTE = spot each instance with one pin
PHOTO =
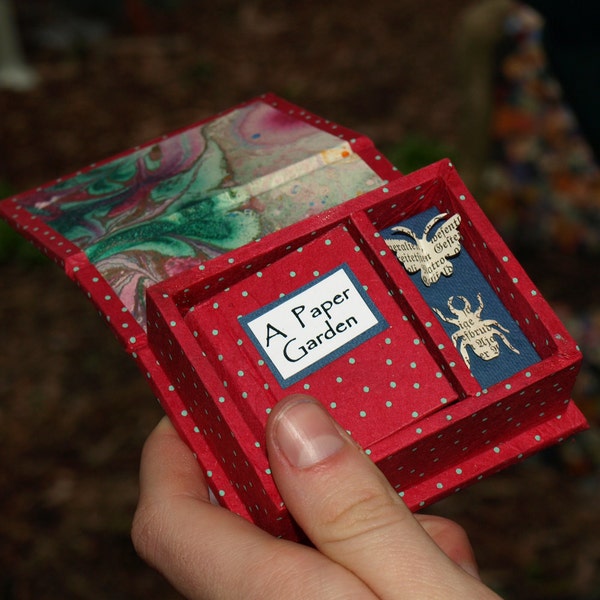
(168, 463)
(351, 513)
(452, 540)
(207, 552)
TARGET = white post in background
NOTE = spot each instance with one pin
(15, 74)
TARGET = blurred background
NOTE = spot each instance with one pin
(506, 90)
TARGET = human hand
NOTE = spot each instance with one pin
(368, 545)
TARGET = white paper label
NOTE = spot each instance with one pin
(314, 325)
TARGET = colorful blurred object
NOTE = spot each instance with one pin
(541, 185)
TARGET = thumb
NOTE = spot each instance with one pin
(349, 511)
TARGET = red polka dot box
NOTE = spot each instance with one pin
(267, 251)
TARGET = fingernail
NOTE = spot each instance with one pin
(471, 568)
(164, 424)
(306, 434)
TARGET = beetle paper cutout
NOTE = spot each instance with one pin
(430, 256)
(474, 332)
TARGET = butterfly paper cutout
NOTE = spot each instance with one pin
(430, 256)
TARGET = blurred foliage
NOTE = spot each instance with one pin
(202, 71)
(416, 151)
(107, 9)
(111, 10)
(17, 250)
(13, 247)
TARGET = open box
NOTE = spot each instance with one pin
(268, 251)
(325, 307)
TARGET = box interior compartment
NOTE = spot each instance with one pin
(421, 428)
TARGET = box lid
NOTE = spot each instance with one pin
(119, 226)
